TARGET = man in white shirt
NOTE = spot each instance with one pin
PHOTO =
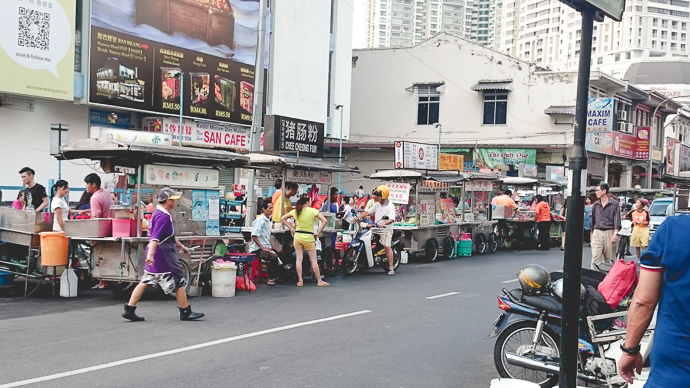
(383, 208)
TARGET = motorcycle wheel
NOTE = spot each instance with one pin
(448, 247)
(480, 244)
(396, 260)
(121, 290)
(517, 339)
(350, 261)
(493, 242)
(431, 249)
(329, 258)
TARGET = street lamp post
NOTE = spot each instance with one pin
(340, 152)
(651, 135)
(439, 125)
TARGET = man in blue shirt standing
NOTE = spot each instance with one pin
(261, 242)
(665, 277)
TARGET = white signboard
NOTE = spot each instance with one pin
(180, 176)
(309, 177)
(201, 134)
(416, 156)
(682, 158)
(556, 173)
(399, 192)
(478, 185)
(600, 115)
(432, 187)
(128, 136)
(426, 212)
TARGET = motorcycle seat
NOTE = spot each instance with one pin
(540, 302)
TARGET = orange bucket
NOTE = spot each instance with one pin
(54, 249)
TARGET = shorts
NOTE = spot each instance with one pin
(308, 245)
(163, 280)
(639, 237)
(385, 234)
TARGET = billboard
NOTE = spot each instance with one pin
(37, 48)
(501, 157)
(624, 145)
(416, 156)
(600, 115)
(163, 55)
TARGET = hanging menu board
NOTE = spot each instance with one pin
(426, 211)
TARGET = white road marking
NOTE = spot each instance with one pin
(510, 281)
(176, 351)
(437, 296)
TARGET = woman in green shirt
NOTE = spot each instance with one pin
(304, 236)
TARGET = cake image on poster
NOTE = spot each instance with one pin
(170, 79)
(247, 96)
(200, 88)
(225, 92)
(115, 81)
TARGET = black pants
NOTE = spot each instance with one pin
(587, 236)
(271, 260)
(544, 241)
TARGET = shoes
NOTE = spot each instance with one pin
(186, 314)
(391, 272)
(324, 284)
(130, 314)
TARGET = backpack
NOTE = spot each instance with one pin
(619, 282)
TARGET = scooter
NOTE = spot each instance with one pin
(366, 251)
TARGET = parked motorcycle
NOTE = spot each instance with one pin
(528, 331)
(366, 251)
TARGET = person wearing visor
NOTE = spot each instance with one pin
(162, 263)
(382, 208)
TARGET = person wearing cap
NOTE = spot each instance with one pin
(162, 263)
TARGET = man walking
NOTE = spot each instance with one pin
(35, 194)
(260, 245)
(606, 222)
(162, 263)
(664, 276)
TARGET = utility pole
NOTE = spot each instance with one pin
(340, 153)
(257, 117)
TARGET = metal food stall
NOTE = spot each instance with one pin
(475, 205)
(193, 171)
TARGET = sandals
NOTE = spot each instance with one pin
(324, 284)
(300, 284)
(271, 282)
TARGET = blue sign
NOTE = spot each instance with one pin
(600, 115)
(110, 119)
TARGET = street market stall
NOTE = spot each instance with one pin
(475, 206)
(117, 245)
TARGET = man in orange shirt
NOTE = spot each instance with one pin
(543, 218)
(505, 200)
(278, 193)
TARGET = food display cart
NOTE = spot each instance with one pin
(193, 171)
(475, 216)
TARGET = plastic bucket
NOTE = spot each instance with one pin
(223, 277)
(54, 249)
(6, 277)
(122, 228)
(512, 383)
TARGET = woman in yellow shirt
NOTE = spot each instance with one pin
(304, 236)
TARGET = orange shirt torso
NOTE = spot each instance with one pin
(543, 212)
(639, 217)
(506, 201)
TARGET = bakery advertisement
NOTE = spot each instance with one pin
(163, 56)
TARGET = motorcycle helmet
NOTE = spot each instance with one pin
(533, 279)
(382, 191)
(557, 288)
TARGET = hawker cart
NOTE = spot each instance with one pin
(475, 206)
(117, 255)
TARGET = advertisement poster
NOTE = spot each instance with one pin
(496, 158)
(200, 134)
(426, 212)
(399, 193)
(600, 115)
(291, 135)
(416, 156)
(199, 208)
(670, 155)
(213, 228)
(601, 143)
(448, 210)
(37, 47)
(180, 176)
(624, 145)
(643, 134)
(213, 204)
(309, 177)
(557, 173)
(450, 162)
(157, 55)
(529, 171)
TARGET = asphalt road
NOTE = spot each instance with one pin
(367, 330)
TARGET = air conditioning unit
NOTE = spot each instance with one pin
(622, 115)
(627, 127)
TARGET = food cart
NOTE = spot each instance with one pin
(475, 216)
(193, 171)
(306, 171)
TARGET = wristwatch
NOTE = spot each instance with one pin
(632, 351)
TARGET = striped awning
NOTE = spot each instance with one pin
(560, 110)
(493, 85)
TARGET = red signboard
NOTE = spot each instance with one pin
(624, 145)
(643, 137)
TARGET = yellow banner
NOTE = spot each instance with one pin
(450, 162)
(37, 48)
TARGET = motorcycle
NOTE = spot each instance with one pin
(366, 251)
(528, 339)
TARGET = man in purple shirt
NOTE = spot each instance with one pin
(162, 264)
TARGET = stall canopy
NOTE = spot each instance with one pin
(266, 160)
(134, 154)
(440, 176)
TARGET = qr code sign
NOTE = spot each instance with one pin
(34, 29)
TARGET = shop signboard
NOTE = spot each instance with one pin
(642, 151)
(37, 47)
(416, 156)
(309, 177)
(109, 119)
(200, 134)
(160, 56)
(624, 145)
(657, 155)
(213, 204)
(611, 8)
(682, 158)
(557, 173)
(291, 135)
(432, 187)
(600, 115)
(128, 136)
(601, 143)
(399, 192)
(173, 176)
(670, 156)
(478, 185)
(426, 211)
(499, 158)
(450, 162)
(529, 171)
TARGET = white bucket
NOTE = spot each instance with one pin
(403, 257)
(68, 284)
(223, 276)
(512, 383)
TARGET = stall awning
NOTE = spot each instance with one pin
(506, 84)
(267, 160)
(560, 110)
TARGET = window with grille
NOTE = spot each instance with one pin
(495, 107)
(428, 104)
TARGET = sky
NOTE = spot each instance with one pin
(359, 21)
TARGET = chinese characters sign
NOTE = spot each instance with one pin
(556, 173)
(286, 134)
(180, 176)
(309, 177)
(416, 156)
(450, 162)
(643, 134)
(600, 115)
(426, 212)
(399, 192)
(478, 185)
(198, 134)
(432, 186)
